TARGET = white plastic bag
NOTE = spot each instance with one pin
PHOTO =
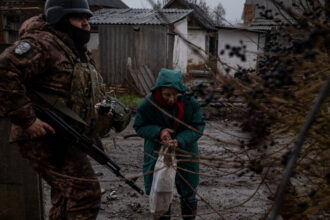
(163, 183)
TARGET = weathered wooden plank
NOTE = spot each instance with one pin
(143, 83)
(146, 78)
(150, 75)
(134, 76)
(170, 49)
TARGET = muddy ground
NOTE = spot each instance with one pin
(225, 192)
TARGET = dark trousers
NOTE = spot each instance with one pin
(71, 199)
(188, 208)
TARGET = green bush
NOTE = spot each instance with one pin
(130, 100)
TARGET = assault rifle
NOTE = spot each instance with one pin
(82, 142)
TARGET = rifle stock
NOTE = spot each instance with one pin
(82, 142)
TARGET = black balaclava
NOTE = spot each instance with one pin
(79, 36)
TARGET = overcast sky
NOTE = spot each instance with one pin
(233, 8)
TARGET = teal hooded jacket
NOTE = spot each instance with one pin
(149, 121)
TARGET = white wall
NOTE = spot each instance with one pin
(93, 43)
(180, 52)
(93, 47)
(198, 38)
(253, 41)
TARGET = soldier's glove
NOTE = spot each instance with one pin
(105, 114)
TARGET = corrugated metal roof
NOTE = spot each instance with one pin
(255, 26)
(261, 28)
(246, 28)
(108, 3)
(138, 16)
(262, 25)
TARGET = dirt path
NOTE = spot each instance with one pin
(221, 192)
(225, 189)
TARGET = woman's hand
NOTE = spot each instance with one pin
(165, 134)
(170, 143)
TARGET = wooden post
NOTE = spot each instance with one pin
(20, 187)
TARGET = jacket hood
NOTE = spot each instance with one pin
(171, 79)
(38, 24)
(33, 24)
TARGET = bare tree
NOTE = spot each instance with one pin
(160, 3)
(218, 14)
(203, 5)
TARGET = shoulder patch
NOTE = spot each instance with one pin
(22, 48)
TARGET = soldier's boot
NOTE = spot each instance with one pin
(167, 215)
(189, 207)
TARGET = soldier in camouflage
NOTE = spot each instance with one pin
(49, 64)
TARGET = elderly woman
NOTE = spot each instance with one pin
(151, 124)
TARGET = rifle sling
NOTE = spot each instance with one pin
(55, 103)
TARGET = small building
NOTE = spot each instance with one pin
(250, 41)
(251, 36)
(254, 11)
(142, 36)
(201, 32)
(254, 33)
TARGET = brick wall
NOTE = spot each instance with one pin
(249, 13)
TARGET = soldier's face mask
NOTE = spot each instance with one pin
(79, 28)
(79, 36)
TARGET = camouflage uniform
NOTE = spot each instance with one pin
(44, 60)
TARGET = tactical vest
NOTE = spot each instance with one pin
(86, 90)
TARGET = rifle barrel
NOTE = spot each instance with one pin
(83, 143)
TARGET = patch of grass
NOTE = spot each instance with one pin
(130, 100)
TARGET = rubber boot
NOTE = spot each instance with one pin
(189, 207)
(167, 215)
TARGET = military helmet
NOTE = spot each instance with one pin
(55, 10)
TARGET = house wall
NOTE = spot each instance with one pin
(12, 23)
(180, 51)
(11, 20)
(93, 47)
(253, 41)
(198, 38)
(149, 45)
(252, 12)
